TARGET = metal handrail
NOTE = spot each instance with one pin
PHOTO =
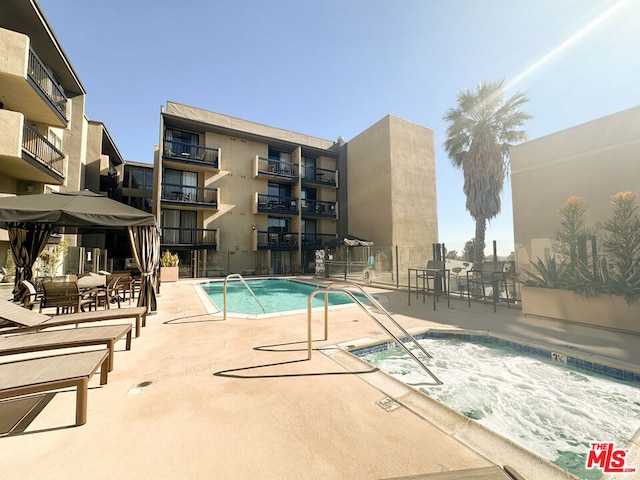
(326, 292)
(376, 304)
(238, 276)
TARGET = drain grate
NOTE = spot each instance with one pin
(388, 404)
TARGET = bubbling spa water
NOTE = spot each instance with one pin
(551, 409)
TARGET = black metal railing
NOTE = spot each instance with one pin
(319, 175)
(276, 204)
(277, 168)
(188, 236)
(43, 150)
(47, 84)
(318, 208)
(277, 240)
(193, 153)
(112, 171)
(190, 194)
(316, 240)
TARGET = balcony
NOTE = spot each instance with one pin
(181, 195)
(319, 209)
(319, 176)
(193, 238)
(47, 85)
(276, 170)
(277, 240)
(194, 155)
(275, 205)
(313, 241)
(26, 85)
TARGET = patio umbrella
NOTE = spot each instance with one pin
(349, 241)
(83, 209)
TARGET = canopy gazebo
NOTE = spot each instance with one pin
(347, 242)
(30, 220)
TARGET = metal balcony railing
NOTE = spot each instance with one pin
(319, 175)
(318, 208)
(193, 153)
(189, 236)
(277, 240)
(186, 193)
(47, 84)
(277, 205)
(316, 240)
(277, 168)
(42, 150)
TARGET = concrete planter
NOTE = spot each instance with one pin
(608, 311)
(168, 274)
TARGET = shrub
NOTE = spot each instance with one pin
(169, 260)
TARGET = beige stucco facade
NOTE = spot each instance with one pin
(594, 161)
(391, 184)
(281, 195)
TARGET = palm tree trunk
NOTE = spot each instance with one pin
(478, 242)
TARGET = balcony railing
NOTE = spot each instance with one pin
(277, 168)
(277, 205)
(316, 240)
(277, 240)
(47, 84)
(189, 236)
(192, 153)
(319, 175)
(174, 192)
(42, 150)
(318, 208)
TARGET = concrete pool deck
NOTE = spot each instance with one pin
(201, 398)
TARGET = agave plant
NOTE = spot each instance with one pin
(550, 274)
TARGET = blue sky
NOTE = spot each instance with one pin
(331, 68)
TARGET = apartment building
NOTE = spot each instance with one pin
(46, 141)
(593, 160)
(238, 196)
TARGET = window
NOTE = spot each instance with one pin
(277, 225)
(280, 191)
(179, 226)
(180, 143)
(140, 179)
(55, 140)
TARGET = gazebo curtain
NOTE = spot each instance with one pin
(145, 247)
(27, 241)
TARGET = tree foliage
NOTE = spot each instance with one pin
(482, 128)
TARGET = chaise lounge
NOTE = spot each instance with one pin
(30, 321)
(36, 375)
(106, 335)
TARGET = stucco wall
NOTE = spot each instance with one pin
(15, 52)
(392, 184)
(594, 161)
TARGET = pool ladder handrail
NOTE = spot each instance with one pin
(377, 305)
(239, 277)
(355, 299)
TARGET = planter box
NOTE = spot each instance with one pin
(608, 311)
(168, 274)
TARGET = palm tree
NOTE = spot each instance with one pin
(482, 128)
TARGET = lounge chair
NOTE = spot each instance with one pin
(106, 335)
(30, 321)
(36, 375)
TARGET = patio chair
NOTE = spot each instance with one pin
(36, 375)
(31, 296)
(66, 297)
(110, 294)
(492, 275)
(106, 335)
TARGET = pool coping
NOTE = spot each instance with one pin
(491, 445)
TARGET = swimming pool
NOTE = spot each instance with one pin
(554, 410)
(277, 295)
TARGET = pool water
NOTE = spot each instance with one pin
(552, 409)
(275, 294)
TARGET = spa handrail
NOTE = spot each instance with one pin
(326, 291)
(376, 304)
(239, 277)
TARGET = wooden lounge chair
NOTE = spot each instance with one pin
(106, 335)
(35, 375)
(30, 321)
